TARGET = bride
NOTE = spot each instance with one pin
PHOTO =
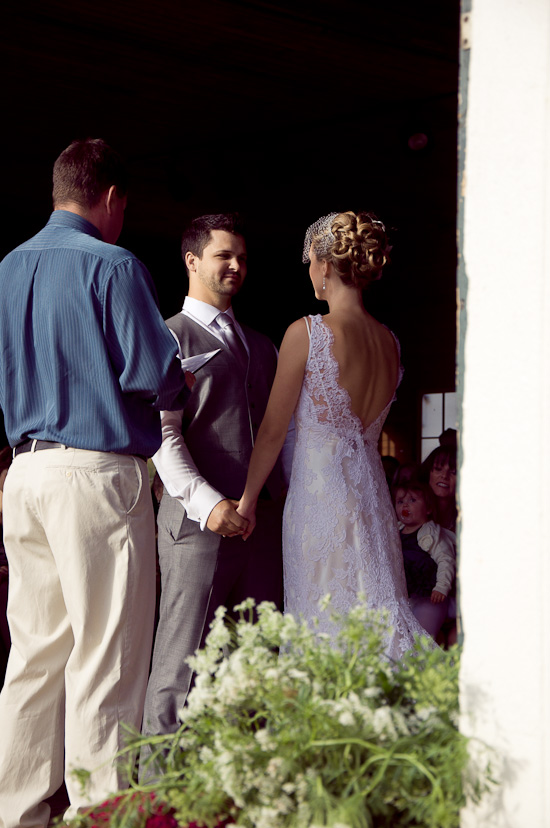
(338, 374)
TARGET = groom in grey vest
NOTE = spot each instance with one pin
(203, 463)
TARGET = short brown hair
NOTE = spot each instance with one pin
(420, 488)
(198, 235)
(85, 170)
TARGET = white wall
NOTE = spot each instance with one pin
(505, 476)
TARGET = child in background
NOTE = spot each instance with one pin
(428, 555)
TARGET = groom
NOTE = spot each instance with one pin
(203, 463)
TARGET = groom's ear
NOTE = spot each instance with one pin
(190, 261)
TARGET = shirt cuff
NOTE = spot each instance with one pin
(201, 504)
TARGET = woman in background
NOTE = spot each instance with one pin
(439, 471)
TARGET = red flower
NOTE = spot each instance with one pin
(100, 816)
(161, 821)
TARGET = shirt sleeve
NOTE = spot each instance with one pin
(141, 348)
(443, 553)
(179, 473)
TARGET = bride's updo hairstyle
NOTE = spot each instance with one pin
(355, 244)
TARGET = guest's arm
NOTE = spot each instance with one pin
(443, 553)
(273, 430)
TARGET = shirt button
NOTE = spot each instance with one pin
(69, 474)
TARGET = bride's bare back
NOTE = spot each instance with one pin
(368, 361)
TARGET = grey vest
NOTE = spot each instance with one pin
(226, 408)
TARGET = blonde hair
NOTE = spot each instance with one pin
(360, 248)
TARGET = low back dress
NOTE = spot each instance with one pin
(340, 532)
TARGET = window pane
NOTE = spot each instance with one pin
(426, 446)
(450, 410)
(432, 415)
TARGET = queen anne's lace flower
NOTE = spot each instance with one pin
(294, 738)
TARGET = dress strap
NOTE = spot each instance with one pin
(315, 363)
(306, 320)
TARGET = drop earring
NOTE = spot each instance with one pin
(324, 283)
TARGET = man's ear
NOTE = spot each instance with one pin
(190, 261)
(109, 196)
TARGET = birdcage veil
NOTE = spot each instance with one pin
(320, 235)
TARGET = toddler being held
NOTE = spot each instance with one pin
(429, 555)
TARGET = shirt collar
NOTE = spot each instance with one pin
(64, 218)
(204, 312)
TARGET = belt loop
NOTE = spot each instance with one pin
(33, 447)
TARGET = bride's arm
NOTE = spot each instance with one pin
(280, 407)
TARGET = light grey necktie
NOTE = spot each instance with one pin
(232, 339)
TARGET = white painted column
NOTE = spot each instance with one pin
(505, 476)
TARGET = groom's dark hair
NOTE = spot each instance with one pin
(197, 235)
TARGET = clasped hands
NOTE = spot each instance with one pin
(229, 519)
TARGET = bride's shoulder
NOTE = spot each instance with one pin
(296, 338)
(304, 325)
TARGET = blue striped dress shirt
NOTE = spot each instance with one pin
(86, 359)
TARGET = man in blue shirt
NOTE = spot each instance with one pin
(87, 364)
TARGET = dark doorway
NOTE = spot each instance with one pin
(282, 110)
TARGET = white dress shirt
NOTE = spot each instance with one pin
(173, 460)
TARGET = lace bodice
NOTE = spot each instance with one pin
(324, 400)
(340, 532)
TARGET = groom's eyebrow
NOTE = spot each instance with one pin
(223, 250)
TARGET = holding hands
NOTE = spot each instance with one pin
(224, 520)
(247, 510)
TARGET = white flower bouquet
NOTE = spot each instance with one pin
(285, 728)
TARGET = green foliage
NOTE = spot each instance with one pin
(286, 728)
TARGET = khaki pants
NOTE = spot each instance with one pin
(79, 536)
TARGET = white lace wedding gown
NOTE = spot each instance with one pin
(340, 533)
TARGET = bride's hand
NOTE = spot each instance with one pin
(249, 513)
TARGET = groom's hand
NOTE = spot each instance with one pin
(224, 520)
